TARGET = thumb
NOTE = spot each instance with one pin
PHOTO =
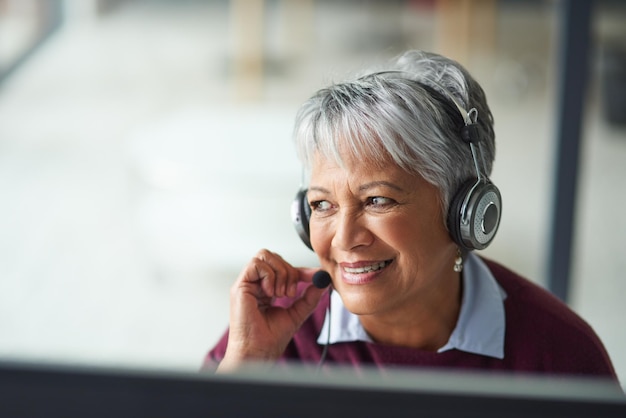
(305, 305)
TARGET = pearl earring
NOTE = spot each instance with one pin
(458, 262)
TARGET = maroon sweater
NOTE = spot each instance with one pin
(542, 335)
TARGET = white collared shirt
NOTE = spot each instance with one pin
(479, 329)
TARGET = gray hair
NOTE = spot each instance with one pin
(410, 112)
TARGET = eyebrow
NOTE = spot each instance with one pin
(319, 189)
(382, 183)
(365, 187)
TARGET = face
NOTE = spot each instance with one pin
(380, 233)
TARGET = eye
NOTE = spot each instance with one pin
(380, 202)
(320, 205)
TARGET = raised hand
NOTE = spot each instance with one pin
(259, 330)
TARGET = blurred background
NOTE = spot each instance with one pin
(146, 155)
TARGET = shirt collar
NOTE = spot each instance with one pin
(479, 329)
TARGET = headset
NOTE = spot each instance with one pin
(475, 210)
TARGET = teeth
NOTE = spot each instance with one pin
(366, 269)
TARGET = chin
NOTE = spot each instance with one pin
(359, 303)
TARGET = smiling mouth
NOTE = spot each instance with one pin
(367, 269)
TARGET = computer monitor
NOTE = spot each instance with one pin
(35, 390)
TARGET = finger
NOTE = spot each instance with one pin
(293, 278)
(305, 274)
(286, 276)
(266, 277)
(256, 279)
(305, 305)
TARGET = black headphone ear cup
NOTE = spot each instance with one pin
(474, 215)
(300, 216)
(454, 214)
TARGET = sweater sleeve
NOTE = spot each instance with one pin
(216, 354)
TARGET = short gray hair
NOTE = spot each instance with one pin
(409, 112)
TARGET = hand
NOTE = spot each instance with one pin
(258, 330)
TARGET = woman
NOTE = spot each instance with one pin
(398, 199)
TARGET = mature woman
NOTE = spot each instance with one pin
(398, 198)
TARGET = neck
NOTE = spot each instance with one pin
(427, 325)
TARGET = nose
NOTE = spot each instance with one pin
(351, 231)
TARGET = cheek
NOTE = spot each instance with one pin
(321, 237)
(416, 235)
(393, 229)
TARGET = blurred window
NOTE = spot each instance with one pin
(24, 25)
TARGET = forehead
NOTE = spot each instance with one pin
(351, 169)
